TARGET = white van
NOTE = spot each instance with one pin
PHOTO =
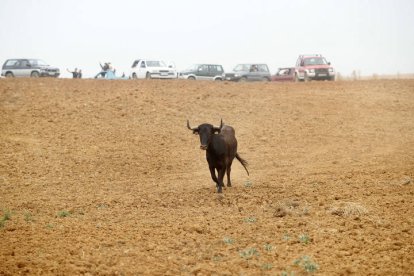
(152, 69)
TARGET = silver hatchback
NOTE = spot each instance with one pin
(28, 68)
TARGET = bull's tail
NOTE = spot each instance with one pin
(243, 162)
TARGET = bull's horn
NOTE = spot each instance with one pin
(188, 125)
(221, 125)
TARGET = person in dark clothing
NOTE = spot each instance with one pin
(75, 74)
(79, 74)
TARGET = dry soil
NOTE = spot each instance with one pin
(104, 178)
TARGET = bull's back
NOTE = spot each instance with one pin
(229, 136)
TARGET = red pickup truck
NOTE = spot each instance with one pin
(313, 67)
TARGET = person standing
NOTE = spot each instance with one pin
(75, 74)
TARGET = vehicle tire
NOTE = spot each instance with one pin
(191, 78)
(34, 74)
(332, 78)
(134, 76)
(243, 79)
(218, 79)
(148, 76)
(265, 79)
(9, 75)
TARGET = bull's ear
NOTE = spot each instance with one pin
(217, 130)
(195, 131)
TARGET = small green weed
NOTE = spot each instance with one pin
(28, 217)
(307, 264)
(6, 216)
(63, 214)
(304, 238)
(248, 184)
(50, 226)
(267, 266)
(249, 253)
(286, 237)
(228, 240)
(250, 220)
(268, 247)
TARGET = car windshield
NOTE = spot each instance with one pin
(241, 67)
(315, 61)
(156, 63)
(135, 63)
(38, 62)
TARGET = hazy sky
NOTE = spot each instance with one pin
(370, 36)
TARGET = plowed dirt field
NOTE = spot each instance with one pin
(104, 178)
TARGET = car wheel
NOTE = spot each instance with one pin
(34, 74)
(218, 79)
(332, 78)
(243, 79)
(191, 78)
(134, 76)
(265, 79)
(148, 76)
(9, 75)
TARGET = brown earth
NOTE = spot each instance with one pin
(103, 177)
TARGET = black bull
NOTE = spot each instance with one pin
(220, 145)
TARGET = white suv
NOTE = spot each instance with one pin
(152, 69)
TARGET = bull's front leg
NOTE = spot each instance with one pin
(221, 173)
(213, 175)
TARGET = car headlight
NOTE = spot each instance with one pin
(236, 75)
(331, 70)
(311, 70)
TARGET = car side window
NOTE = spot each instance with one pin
(203, 68)
(12, 62)
(143, 65)
(263, 68)
(24, 63)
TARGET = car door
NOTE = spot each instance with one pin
(203, 72)
(25, 68)
(255, 74)
(142, 70)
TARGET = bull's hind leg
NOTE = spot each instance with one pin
(228, 175)
(221, 173)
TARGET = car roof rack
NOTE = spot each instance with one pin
(310, 55)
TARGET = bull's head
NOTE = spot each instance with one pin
(205, 131)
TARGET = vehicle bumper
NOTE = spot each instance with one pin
(227, 78)
(319, 76)
(162, 76)
(49, 74)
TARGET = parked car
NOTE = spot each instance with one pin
(249, 72)
(203, 72)
(28, 68)
(314, 67)
(152, 69)
(285, 74)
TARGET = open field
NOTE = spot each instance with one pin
(103, 177)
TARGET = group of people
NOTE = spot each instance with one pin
(76, 74)
(107, 66)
